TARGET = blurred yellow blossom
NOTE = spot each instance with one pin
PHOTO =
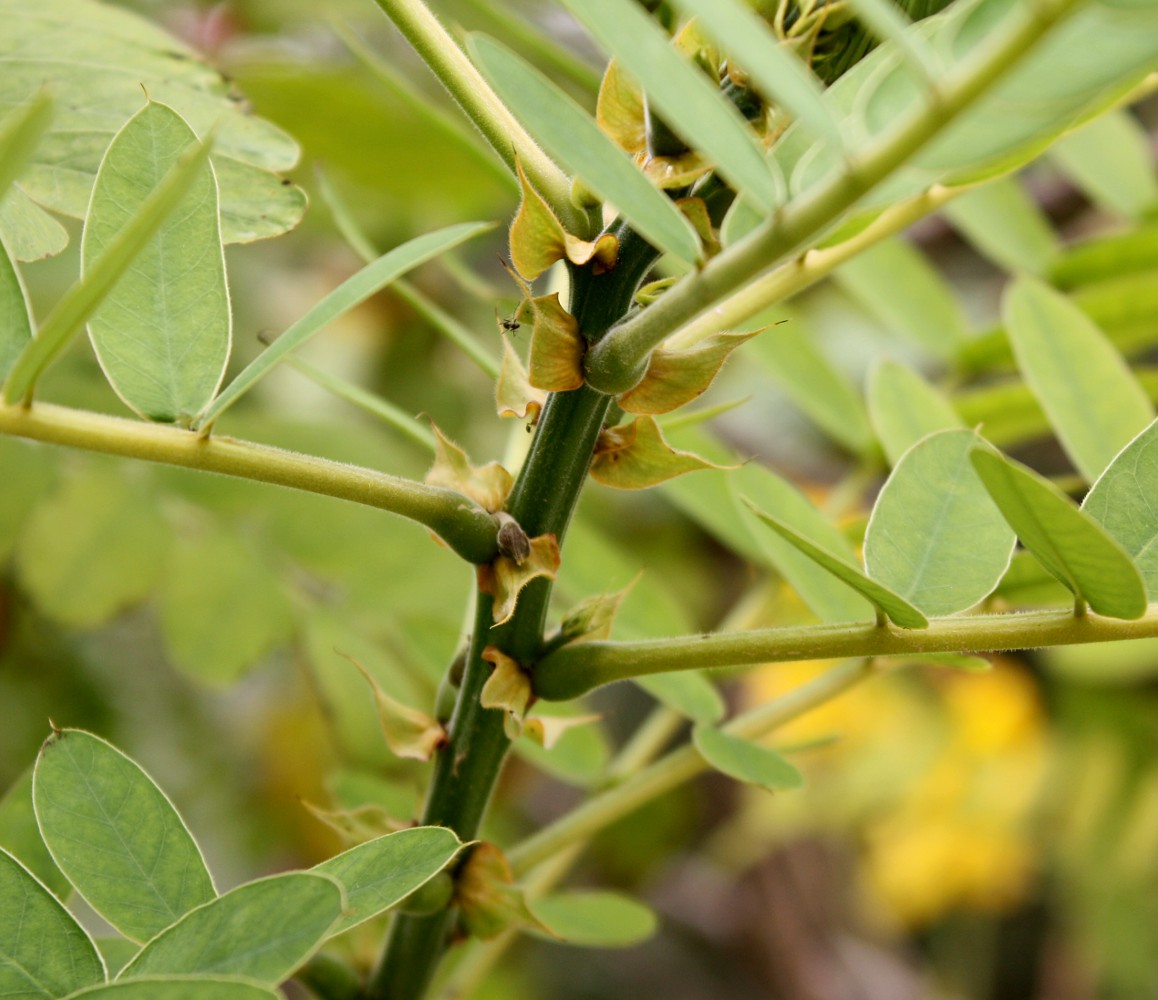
(939, 772)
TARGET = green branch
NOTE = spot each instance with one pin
(578, 668)
(676, 768)
(468, 529)
(483, 107)
(788, 279)
(619, 360)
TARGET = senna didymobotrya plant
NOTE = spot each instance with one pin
(730, 157)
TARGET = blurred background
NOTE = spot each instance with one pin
(977, 836)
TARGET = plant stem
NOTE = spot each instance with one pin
(542, 502)
(578, 668)
(468, 529)
(619, 361)
(483, 107)
(788, 279)
(677, 767)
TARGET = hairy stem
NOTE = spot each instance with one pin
(468, 529)
(578, 668)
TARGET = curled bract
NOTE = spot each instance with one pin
(538, 239)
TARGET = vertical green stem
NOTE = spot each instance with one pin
(542, 501)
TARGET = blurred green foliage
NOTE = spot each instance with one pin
(204, 624)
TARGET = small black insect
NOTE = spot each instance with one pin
(510, 325)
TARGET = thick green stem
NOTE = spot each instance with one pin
(462, 524)
(542, 501)
(578, 668)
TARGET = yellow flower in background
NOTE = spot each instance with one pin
(938, 773)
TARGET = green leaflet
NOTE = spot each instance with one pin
(745, 761)
(178, 988)
(116, 836)
(775, 71)
(163, 332)
(691, 105)
(935, 536)
(1006, 225)
(1110, 160)
(886, 601)
(352, 292)
(596, 919)
(15, 314)
(381, 873)
(83, 298)
(20, 837)
(1122, 502)
(1089, 394)
(92, 549)
(222, 607)
(1068, 543)
(99, 58)
(570, 135)
(789, 353)
(898, 286)
(262, 930)
(904, 408)
(20, 132)
(44, 952)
